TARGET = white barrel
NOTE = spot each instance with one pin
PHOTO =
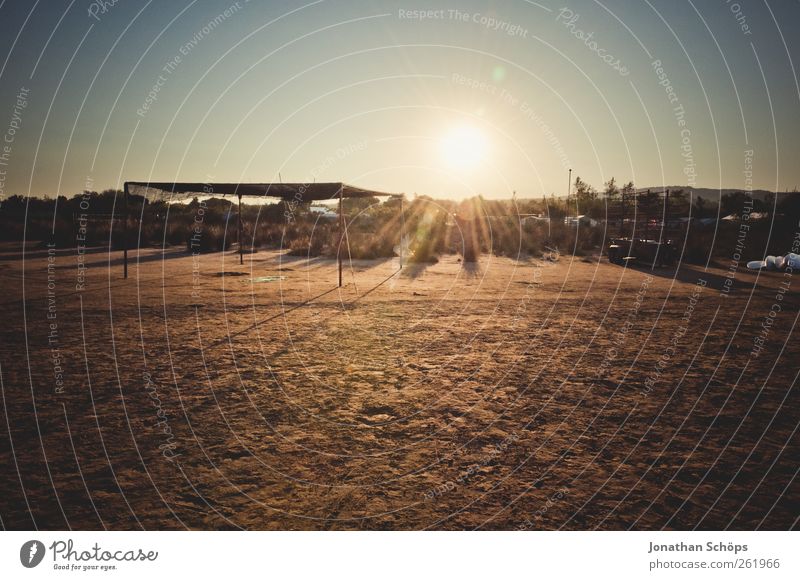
(791, 261)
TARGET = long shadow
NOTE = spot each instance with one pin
(371, 290)
(325, 319)
(525, 259)
(287, 260)
(364, 265)
(42, 252)
(133, 258)
(471, 269)
(684, 273)
(232, 254)
(415, 269)
(228, 337)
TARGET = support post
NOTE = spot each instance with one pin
(125, 231)
(341, 234)
(239, 216)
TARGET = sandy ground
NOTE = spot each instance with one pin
(513, 394)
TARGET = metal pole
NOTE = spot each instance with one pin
(241, 258)
(341, 235)
(569, 190)
(402, 231)
(125, 232)
(664, 226)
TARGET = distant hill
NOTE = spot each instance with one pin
(706, 192)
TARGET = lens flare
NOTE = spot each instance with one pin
(464, 146)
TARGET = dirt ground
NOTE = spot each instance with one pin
(575, 394)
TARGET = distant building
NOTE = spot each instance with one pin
(325, 213)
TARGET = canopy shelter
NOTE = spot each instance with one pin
(301, 192)
(297, 192)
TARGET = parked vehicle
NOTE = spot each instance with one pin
(659, 254)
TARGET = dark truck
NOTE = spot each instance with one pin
(659, 254)
(648, 223)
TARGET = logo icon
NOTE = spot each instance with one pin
(31, 553)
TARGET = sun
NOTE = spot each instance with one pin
(464, 146)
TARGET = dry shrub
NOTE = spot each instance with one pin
(210, 239)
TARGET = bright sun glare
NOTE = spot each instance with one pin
(464, 146)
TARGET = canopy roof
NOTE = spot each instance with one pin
(302, 192)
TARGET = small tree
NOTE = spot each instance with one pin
(733, 203)
(553, 209)
(701, 208)
(583, 191)
(611, 191)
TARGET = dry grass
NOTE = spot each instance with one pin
(443, 396)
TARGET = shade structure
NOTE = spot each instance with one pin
(300, 192)
(294, 192)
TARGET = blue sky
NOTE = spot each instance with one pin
(404, 97)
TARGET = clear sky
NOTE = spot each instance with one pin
(444, 99)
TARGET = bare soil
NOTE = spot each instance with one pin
(204, 394)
